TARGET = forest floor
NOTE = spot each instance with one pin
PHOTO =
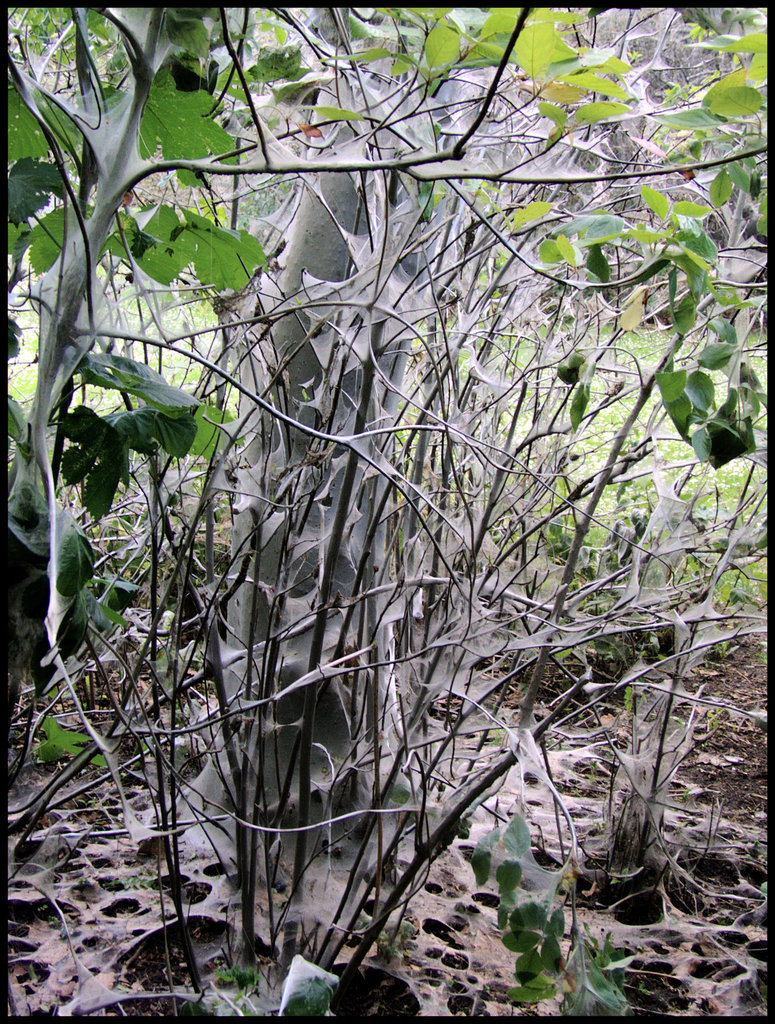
(84, 917)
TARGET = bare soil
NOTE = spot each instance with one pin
(84, 917)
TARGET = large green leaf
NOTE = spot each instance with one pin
(598, 265)
(671, 385)
(657, 202)
(188, 28)
(111, 371)
(209, 437)
(717, 355)
(579, 405)
(176, 434)
(728, 441)
(75, 562)
(31, 184)
(136, 428)
(516, 838)
(25, 136)
(685, 314)
(701, 390)
(442, 46)
(508, 875)
(224, 259)
(337, 114)
(595, 83)
(178, 122)
(742, 101)
(691, 119)
(481, 858)
(720, 188)
(46, 240)
(533, 211)
(687, 209)
(280, 63)
(590, 113)
(535, 48)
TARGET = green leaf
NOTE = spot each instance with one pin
(481, 858)
(99, 489)
(307, 990)
(98, 454)
(720, 188)
(119, 594)
(501, 21)
(521, 941)
(691, 209)
(697, 242)
(528, 967)
(597, 228)
(17, 421)
(224, 259)
(535, 48)
(516, 838)
(113, 371)
(14, 334)
(31, 183)
(274, 64)
(62, 743)
(209, 437)
(716, 356)
(728, 442)
(740, 176)
(671, 385)
(595, 83)
(540, 989)
(655, 201)
(757, 70)
(598, 265)
(533, 211)
(701, 444)
(337, 114)
(136, 428)
(701, 390)
(679, 411)
(186, 27)
(442, 46)
(77, 462)
(75, 563)
(590, 113)
(554, 113)
(684, 314)
(754, 42)
(742, 101)
(549, 252)
(178, 122)
(579, 405)
(190, 1009)
(736, 78)
(367, 56)
(690, 119)
(569, 372)
(46, 240)
(508, 875)
(25, 136)
(566, 250)
(725, 330)
(556, 925)
(551, 954)
(176, 434)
